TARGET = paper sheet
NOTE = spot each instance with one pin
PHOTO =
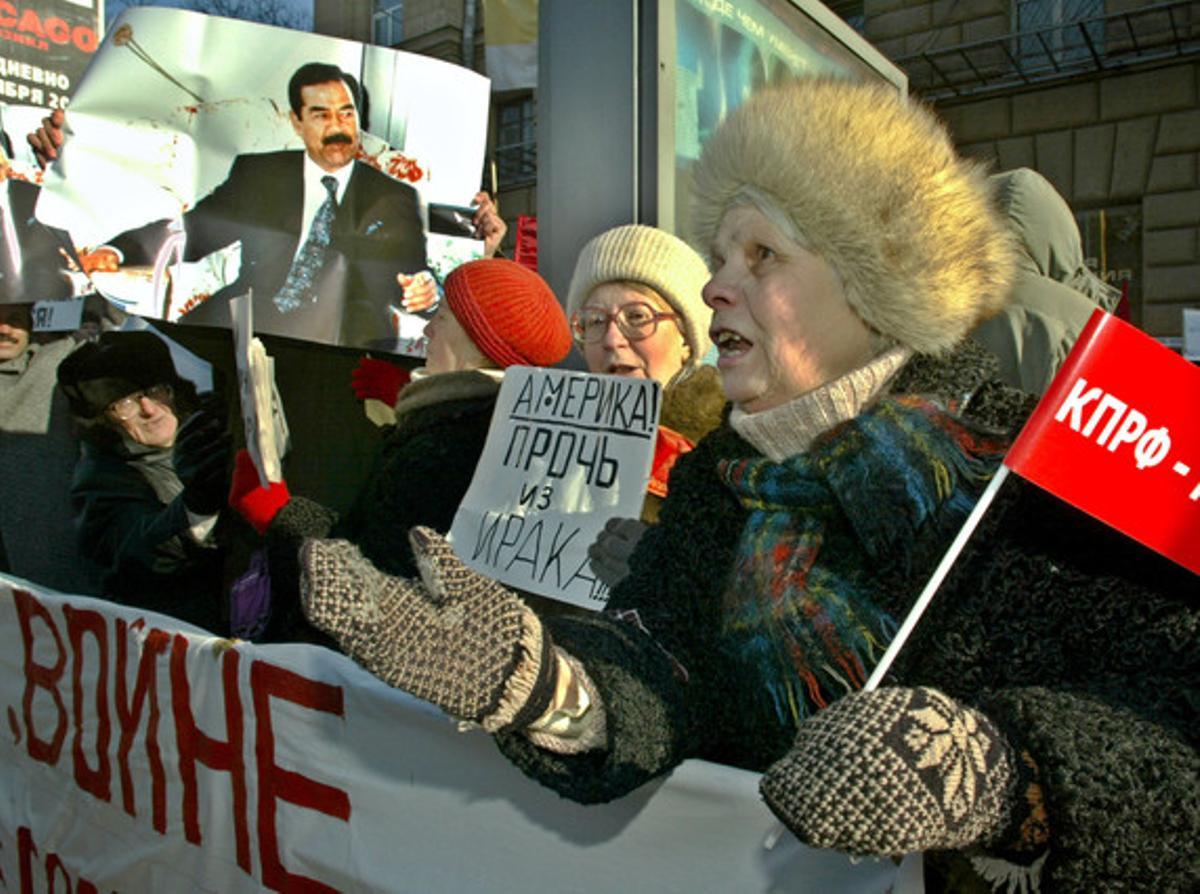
(267, 437)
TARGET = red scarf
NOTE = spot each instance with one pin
(668, 447)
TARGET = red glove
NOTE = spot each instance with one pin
(378, 379)
(256, 504)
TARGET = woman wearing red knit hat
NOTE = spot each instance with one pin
(496, 314)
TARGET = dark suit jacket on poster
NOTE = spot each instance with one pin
(376, 234)
(42, 275)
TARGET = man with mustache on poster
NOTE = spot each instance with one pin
(328, 243)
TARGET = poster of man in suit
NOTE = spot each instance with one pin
(307, 210)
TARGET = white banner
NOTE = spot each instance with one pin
(144, 755)
(566, 452)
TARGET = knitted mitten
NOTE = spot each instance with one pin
(455, 638)
(895, 771)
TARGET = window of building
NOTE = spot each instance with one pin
(1059, 37)
(388, 22)
(516, 141)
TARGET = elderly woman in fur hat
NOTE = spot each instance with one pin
(848, 244)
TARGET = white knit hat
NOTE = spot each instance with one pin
(655, 258)
(874, 186)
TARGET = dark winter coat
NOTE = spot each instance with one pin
(1084, 647)
(1042, 626)
(424, 469)
(132, 522)
(426, 466)
(676, 588)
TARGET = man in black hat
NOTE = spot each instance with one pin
(150, 486)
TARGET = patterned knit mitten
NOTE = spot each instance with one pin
(895, 771)
(457, 638)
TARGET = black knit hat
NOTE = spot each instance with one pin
(120, 363)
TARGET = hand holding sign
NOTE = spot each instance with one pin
(420, 291)
(378, 380)
(48, 139)
(614, 545)
(489, 225)
(255, 503)
(201, 457)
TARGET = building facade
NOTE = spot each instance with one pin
(453, 31)
(1100, 96)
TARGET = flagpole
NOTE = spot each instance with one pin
(918, 609)
(939, 575)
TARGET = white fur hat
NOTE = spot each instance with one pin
(874, 186)
(655, 258)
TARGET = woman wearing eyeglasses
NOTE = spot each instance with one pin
(636, 310)
(149, 487)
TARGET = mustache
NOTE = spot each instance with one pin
(337, 138)
(7, 339)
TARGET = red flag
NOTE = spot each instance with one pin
(1118, 436)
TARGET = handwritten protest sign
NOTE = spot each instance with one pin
(143, 754)
(566, 452)
(191, 174)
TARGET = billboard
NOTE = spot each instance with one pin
(660, 75)
(44, 48)
(715, 54)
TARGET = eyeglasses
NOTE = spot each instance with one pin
(636, 320)
(129, 406)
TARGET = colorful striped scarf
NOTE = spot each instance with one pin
(803, 623)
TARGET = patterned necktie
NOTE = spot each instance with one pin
(312, 254)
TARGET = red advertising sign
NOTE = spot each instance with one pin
(44, 48)
(1118, 436)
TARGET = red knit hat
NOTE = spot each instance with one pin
(509, 312)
